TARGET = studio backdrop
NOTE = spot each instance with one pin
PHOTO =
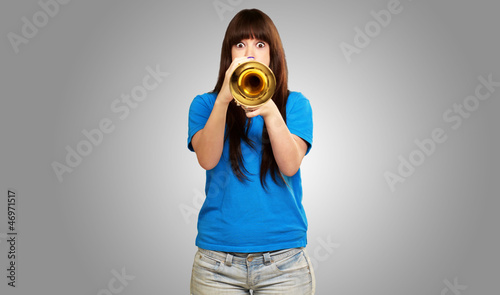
(100, 194)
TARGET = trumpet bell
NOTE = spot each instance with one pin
(252, 83)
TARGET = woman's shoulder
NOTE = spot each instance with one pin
(207, 96)
(296, 97)
(206, 99)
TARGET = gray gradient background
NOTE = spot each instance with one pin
(121, 207)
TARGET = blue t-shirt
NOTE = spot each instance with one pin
(242, 216)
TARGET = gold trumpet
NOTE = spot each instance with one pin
(252, 83)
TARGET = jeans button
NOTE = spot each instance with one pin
(250, 259)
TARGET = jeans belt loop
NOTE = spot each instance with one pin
(229, 259)
(267, 258)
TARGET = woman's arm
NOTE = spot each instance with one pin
(288, 148)
(208, 143)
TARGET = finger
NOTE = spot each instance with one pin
(249, 110)
(251, 114)
(236, 62)
(240, 60)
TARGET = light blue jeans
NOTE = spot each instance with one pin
(286, 272)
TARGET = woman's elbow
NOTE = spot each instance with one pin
(290, 171)
(207, 164)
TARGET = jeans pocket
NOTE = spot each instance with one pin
(204, 261)
(292, 263)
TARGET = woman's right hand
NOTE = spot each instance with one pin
(225, 94)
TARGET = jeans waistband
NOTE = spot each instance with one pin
(230, 258)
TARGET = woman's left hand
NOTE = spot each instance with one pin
(265, 110)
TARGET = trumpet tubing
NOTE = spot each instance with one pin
(252, 83)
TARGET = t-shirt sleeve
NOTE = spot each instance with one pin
(299, 118)
(199, 112)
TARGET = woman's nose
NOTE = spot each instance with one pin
(249, 51)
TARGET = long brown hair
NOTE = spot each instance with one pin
(248, 24)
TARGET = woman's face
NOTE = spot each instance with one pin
(252, 47)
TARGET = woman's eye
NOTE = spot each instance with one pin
(240, 45)
(261, 45)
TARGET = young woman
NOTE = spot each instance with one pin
(252, 226)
